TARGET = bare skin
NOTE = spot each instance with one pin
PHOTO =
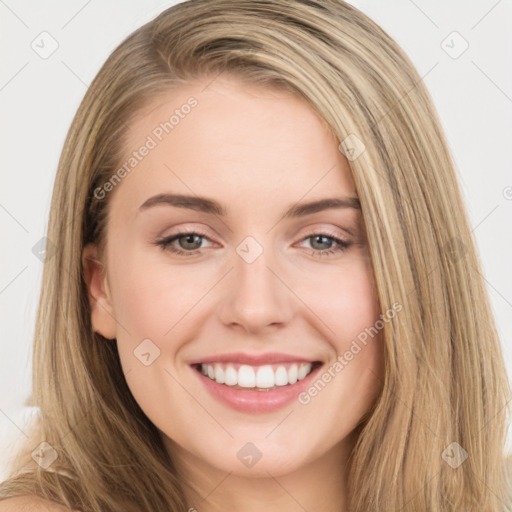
(257, 151)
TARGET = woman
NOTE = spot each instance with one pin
(326, 342)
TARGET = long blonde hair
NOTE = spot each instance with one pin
(445, 379)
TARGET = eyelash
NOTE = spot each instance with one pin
(165, 244)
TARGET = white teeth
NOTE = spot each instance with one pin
(262, 377)
(246, 376)
(231, 376)
(281, 378)
(303, 370)
(292, 374)
(219, 374)
(265, 377)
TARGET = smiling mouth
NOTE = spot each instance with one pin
(256, 378)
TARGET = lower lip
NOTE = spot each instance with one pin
(253, 400)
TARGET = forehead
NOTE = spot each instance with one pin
(229, 139)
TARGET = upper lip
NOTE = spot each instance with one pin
(254, 359)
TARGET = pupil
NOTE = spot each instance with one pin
(190, 239)
(320, 237)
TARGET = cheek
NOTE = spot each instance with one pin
(345, 300)
(347, 306)
(149, 298)
(346, 387)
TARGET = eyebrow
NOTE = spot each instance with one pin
(212, 207)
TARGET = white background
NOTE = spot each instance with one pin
(38, 98)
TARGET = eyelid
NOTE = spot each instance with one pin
(184, 231)
(320, 228)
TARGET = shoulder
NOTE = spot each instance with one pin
(31, 504)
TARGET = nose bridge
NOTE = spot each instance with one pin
(252, 264)
(256, 296)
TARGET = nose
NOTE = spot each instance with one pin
(256, 297)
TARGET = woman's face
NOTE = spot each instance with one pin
(260, 291)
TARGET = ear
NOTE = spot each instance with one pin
(102, 313)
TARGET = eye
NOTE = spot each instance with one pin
(189, 240)
(190, 243)
(329, 239)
